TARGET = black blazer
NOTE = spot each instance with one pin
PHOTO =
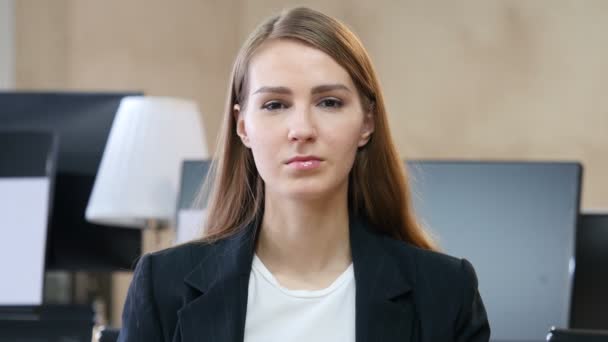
(198, 292)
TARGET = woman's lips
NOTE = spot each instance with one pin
(309, 164)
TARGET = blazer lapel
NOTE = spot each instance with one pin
(216, 306)
(385, 309)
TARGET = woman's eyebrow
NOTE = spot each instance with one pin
(316, 90)
(274, 90)
(328, 87)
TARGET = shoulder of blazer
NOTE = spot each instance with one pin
(169, 267)
(445, 292)
(424, 262)
(440, 280)
(175, 263)
(179, 260)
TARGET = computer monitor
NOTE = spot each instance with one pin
(590, 296)
(515, 221)
(82, 122)
(27, 170)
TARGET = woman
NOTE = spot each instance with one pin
(310, 234)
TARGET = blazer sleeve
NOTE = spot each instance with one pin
(472, 323)
(140, 318)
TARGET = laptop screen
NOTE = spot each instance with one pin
(24, 205)
(27, 161)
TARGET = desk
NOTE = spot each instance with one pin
(48, 323)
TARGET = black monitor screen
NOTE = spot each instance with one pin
(516, 222)
(82, 122)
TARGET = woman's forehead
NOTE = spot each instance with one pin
(289, 63)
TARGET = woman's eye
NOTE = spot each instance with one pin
(273, 105)
(331, 103)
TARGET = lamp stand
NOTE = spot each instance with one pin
(156, 236)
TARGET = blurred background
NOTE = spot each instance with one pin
(471, 80)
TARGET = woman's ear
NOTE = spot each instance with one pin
(367, 129)
(240, 124)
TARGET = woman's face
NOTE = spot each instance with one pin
(303, 120)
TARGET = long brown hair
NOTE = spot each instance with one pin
(378, 189)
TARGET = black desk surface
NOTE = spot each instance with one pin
(49, 323)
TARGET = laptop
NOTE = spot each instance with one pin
(27, 171)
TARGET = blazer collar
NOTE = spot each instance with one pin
(384, 306)
(225, 259)
(217, 304)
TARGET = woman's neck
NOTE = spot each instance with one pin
(305, 239)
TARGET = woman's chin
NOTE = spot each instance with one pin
(309, 192)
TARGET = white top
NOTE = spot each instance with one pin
(277, 314)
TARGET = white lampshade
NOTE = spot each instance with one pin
(139, 173)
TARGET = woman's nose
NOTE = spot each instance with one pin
(302, 126)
